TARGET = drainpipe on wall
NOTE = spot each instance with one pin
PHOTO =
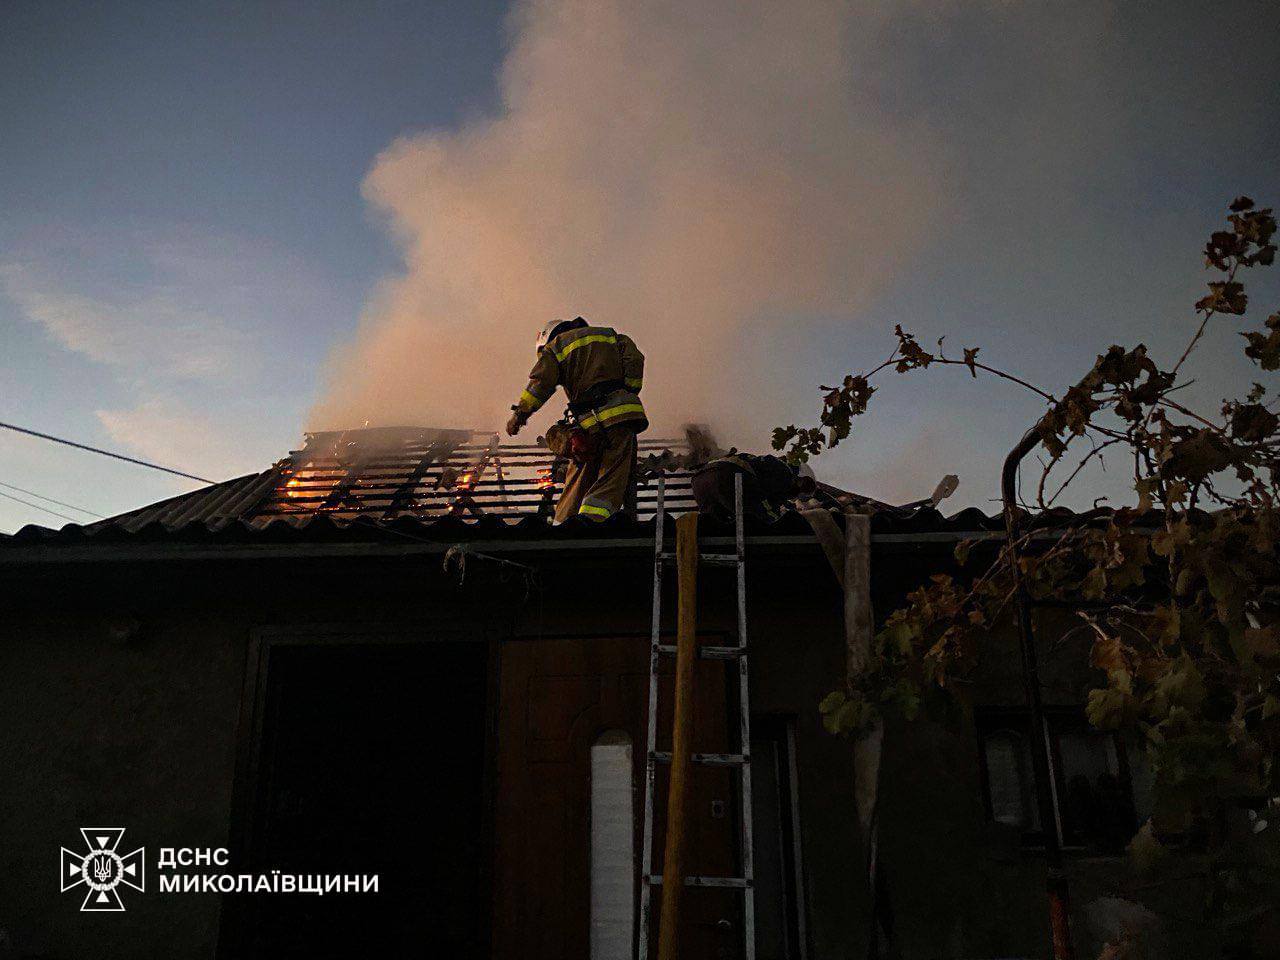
(1041, 754)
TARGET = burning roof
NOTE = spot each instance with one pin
(388, 473)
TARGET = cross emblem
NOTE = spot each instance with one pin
(102, 869)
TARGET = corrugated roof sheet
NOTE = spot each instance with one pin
(213, 504)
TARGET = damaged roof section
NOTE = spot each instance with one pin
(386, 474)
(430, 474)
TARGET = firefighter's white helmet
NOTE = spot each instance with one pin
(556, 326)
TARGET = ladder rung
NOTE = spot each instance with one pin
(707, 759)
(707, 652)
(721, 558)
(739, 883)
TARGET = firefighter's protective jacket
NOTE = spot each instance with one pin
(602, 372)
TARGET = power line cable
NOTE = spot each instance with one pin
(105, 453)
(41, 496)
(28, 503)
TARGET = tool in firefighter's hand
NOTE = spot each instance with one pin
(571, 442)
(518, 420)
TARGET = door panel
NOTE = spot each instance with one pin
(372, 762)
(557, 697)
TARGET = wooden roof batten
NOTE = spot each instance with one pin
(385, 473)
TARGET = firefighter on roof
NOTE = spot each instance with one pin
(602, 372)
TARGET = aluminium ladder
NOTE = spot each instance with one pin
(740, 761)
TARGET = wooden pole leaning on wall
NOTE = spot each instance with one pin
(673, 861)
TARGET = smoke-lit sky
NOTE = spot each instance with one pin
(224, 223)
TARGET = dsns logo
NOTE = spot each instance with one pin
(103, 868)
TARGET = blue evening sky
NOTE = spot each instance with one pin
(193, 170)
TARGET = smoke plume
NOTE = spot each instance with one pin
(695, 175)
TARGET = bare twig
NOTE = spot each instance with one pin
(1096, 451)
(1208, 314)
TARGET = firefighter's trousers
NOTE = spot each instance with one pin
(596, 489)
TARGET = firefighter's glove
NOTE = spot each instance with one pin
(515, 423)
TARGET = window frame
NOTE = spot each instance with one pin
(1060, 720)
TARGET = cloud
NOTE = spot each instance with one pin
(182, 322)
(686, 173)
(145, 334)
(169, 433)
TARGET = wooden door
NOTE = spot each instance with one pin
(557, 697)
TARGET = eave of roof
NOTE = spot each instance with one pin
(321, 535)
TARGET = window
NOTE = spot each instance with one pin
(1010, 790)
(775, 845)
(612, 848)
(1093, 791)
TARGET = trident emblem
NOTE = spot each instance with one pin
(102, 869)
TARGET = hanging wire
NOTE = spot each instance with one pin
(105, 453)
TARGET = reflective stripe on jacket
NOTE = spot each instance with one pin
(583, 359)
(596, 508)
